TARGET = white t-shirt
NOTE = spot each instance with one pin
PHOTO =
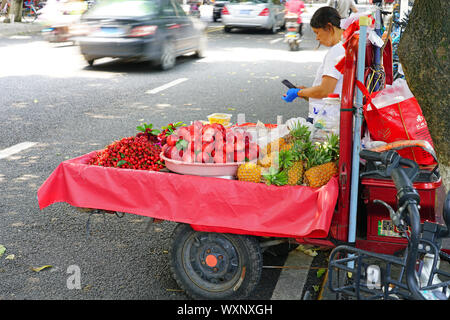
(333, 56)
(342, 6)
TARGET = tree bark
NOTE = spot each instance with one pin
(16, 10)
(424, 55)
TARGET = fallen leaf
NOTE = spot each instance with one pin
(310, 252)
(87, 288)
(316, 288)
(41, 268)
(35, 101)
(2, 249)
(307, 251)
(320, 272)
(231, 109)
(10, 257)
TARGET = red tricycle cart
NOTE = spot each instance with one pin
(225, 225)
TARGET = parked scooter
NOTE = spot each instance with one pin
(292, 36)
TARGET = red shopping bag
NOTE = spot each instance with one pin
(394, 114)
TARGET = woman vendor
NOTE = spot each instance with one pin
(326, 25)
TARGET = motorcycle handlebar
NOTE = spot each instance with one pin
(384, 157)
(413, 245)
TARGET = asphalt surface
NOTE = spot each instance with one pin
(51, 97)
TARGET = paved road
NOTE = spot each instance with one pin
(52, 98)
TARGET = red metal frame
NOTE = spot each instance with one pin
(379, 189)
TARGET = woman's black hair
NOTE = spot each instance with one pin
(325, 15)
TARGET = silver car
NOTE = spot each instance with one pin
(262, 14)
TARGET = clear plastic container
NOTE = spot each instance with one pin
(328, 120)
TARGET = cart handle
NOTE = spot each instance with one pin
(400, 144)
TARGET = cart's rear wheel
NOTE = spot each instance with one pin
(211, 265)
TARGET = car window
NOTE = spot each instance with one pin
(249, 2)
(124, 8)
(179, 9)
(169, 9)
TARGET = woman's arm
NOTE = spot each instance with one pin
(321, 91)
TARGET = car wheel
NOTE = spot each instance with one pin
(227, 29)
(274, 29)
(89, 60)
(209, 265)
(200, 52)
(168, 57)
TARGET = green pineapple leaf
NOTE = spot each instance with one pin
(285, 158)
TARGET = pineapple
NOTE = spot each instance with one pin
(298, 132)
(268, 160)
(299, 150)
(319, 175)
(274, 146)
(295, 173)
(321, 162)
(249, 171)
(275, 177)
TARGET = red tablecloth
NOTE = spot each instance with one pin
(208, 204)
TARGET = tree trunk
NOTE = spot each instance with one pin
(16, 10)
(424, 55)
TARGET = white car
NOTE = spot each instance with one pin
(261, 14)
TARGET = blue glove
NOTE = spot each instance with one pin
(291, 94)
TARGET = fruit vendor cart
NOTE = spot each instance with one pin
(224, 225)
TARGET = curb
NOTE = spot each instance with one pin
(292, 280)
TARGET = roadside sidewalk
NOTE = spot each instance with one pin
(19, 28)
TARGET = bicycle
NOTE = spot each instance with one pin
(5, 11)
(29, 11)
(415, 276)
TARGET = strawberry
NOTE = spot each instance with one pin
(167, 151)
(197, 124)
(171, 140)
(184, 133)
(203, 157)
(208, 147)
(176, 154)
(208, 133)
(220, 128)
(219, 146)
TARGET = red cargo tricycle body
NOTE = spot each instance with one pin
(228, 260)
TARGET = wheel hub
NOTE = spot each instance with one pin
(212, 260)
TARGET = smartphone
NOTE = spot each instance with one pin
(288, 84)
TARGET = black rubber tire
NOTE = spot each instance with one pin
(239, 264)
(200, 52)
(89, 60)
(168, 57)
